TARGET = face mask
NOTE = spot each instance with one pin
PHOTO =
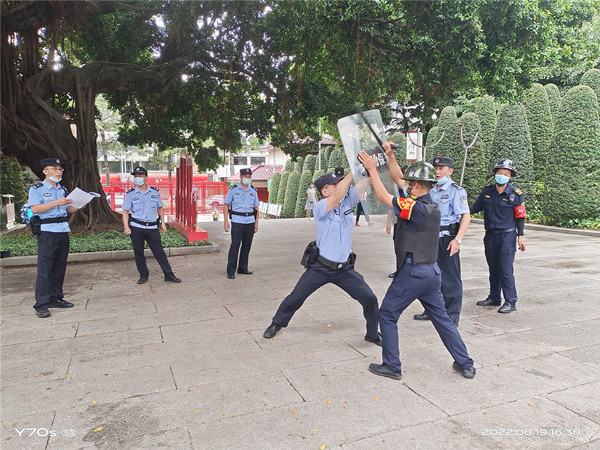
(54, 179)
(138, 181)
(442, 181)
(247, 181)
(501, 179)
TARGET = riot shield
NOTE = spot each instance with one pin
(356, 136)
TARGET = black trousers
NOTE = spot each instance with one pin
(318, 275)
(152, 237)
(452, 287)
(241, 233)
(53, 250)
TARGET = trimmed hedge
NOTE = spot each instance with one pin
(326, 156)
(553, 100)
(592, 79)
(291, 193)
(275, 181)
(476, 167)
(539, 119)
(486, 111)
(289, 165)
(400, 140)
(299, 164)
(336, 159)
(450, 145)
(309, 162)
(282, 187)
(513, 141)
(573, 179)
(305, 180)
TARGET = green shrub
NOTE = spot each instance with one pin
(291, 193)
(282, 188)
(553, 100)
(573, 178)
(400, 140)
(305, 180)
(326, 155)
(309, 163)
(11, 182)
(592, 79)
(486, 111)
(299, 164)
(513, 141)
(275, 181)
(336, 159)
(289, 165)
(539, 119)
(476, 170)
(430, 149)
(450, 145)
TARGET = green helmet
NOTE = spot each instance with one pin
(420, 171)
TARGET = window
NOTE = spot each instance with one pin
(257, 160)
(240, 160)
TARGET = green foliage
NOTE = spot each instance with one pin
(539, 119)
(275, 182)
(289, 165)
(299, 164)
(305, 179)
(309, 163)
(573, 179)
(336, 159)
(25, 244)
(432, 137)
(513, 141)
(450, 145)
(476, 170)
(553, 100)
(592, 79)
(486, 111)
(11, 182)
(282, 187)
(400, 140)
(291, 194)
(317, 174)
(325, 155)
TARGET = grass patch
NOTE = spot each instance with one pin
(25, 244)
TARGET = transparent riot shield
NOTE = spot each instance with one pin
(356, 136)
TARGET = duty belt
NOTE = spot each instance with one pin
(246, 214)
(332, 265)
(141, 222)
(452, 228)
(501, 230)
(54, 220)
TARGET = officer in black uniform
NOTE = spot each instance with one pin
(48, 203)
(419, 275)
(142, 213)
(504, 216)
(241, 205)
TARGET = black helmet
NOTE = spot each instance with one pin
(506, 164)
(420, 171)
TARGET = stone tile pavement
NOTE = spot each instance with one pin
(186, 366)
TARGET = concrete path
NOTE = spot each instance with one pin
(186, 366)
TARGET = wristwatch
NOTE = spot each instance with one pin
(458, 240)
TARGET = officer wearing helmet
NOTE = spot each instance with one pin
(419, 276)
(504, 216)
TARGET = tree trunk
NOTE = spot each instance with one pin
(105, 156)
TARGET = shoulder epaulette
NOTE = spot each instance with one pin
(456, 185)
(132, 189)
(518, 191)
(155, 188)
(38, 185)
(232, 186)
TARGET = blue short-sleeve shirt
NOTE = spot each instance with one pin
(44, 192)
(143, 205)
(452, 201)
(242, 200)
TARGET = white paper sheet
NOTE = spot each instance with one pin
(81, 198)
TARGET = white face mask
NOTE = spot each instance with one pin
(247, 181)
(138, 181)
(54, 179)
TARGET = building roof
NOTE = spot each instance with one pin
(259, 173)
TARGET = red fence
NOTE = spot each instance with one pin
(205, 195)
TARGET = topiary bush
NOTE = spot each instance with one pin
(573, 178)
(282, 187)
(275, 182)
(299, 164)
(305, 180)
(336, 159)
(325, 155)
(291, 193)
(553, 100)
(310, 162)
(486, 111)
(513, 141)
(11, 182)
(539, 119)
(400, 140)
(476, 169)
(592, 79)
(289, 165)
(450, 144)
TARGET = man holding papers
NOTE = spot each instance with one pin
(51, 208)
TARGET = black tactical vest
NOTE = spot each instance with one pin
(423, 242)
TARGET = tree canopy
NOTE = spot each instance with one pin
(181, 72)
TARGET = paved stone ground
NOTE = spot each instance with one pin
(186, 366)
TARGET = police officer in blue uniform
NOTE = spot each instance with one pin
(48, 202)
(241, 206)
(451, 198)
(334, 218)
(504, 216)
(143, 212)
(419, 275)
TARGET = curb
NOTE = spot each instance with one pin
(110, 255)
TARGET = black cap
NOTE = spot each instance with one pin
(245, 172)
(50, 162)
(442, 161)
(139, 169)
(326, 179)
